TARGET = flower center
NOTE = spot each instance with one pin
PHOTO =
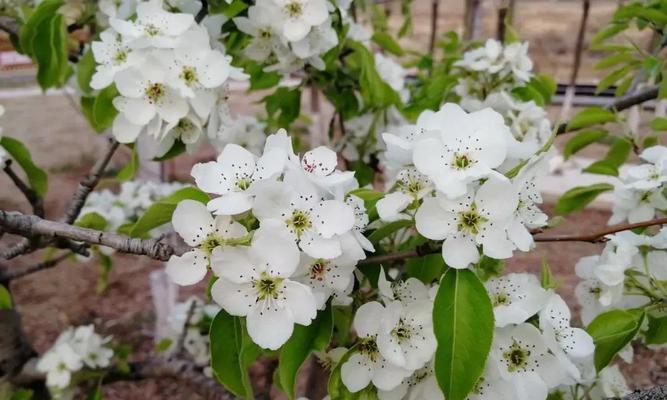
(211, 242)
(243, 183)
(462, 161)
(151, 30)
(267, 287)
(154, 92)
(120, 56)
(189, 76)
(516, 357)
(265, 33)
(369, 348)
(294, 9)
(500, 299)
(319, 269)
(300, 222)
(402, 332)
(470, 221)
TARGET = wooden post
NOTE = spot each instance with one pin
(505, 15)
(578, 49)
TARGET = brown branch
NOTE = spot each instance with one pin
(33, 198)
(88, 183)
(9, 25)
(435, 5)
(22, 247)
(621, 104)
(9, 274)
(595, 237)
(31, 226)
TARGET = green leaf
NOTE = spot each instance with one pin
(160, 212)
(286, 103)
(617, 155)
(591, 116)
(342, 321)
(613, 77)
(92, 220)
(232, 352)
(163, 345)
(659, 124)
(463, 324)
(5, 299)
(611, 331)
(95, 394)
(85, 69)
(547, 279)
(386, 230)
(657, 330)
(385, 41)
(582, 139)
(578, 197)
(37, 178)
(427, 268)
(230, 9)
(374, 90)
(130, 169)
(602, 167)
(103, 111)
(314, 337)
(607, 32)
(22, 394)
(613, 60)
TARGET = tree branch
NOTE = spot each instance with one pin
(88, 183)
(595, 237)
(33, 198)
(31, 226)
(621, 104)
(9, 274)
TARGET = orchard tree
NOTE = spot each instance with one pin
(377, 246)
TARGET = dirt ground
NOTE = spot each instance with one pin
(61, 141)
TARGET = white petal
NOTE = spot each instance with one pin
(389, 377)
(192, 221)
(125, 131)
(269, 325)
(333, 217)
(300, 301)
(356, 373)
(577, 342)
(497, 198)
(209, 177)
(459, 251)
(187, 269)
(368, 319)
(495, 242)
(432, 221)
(231, 203)
(233, 263)
(319, 247)
(320, 161)
(236, 298)
(278, 252)
(390, 206)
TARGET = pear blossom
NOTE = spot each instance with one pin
(515, 298)
(257, 282)
(461, 147)
(411, 186)
(611, 383)
(367, 364)
(420, 385)
(245, 130)
(113, 55)
(478, 218)
(408, 291)
(194, 223)
(234, 172)
(325, 276)
(299, 16)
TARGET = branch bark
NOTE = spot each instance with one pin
(31, 226)
(9, 274)
(88, 183)
(33, 198)
(621, 104)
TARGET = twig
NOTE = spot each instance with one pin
(22, 247)
(31, 226)
(621, 104)
(435, 5)
(7, 275)
(33, 198)
(87, 184)
(9, 25)
(578, 49)
(181, 338)
(595, 237)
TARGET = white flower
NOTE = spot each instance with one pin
(260, 24)
(91, 347)
(393, 74)
(478, 218)
(325, 276)
(461, 148)
(117, 9)
(421, 385)
(399, 144)
(315, 224)
(299, 16)
(410, 186)
(246, 131)
(319, 40)
(525, 359)
(154, 27)
(515, 298)
(112, 55)
(319, 166)
(232, 175)
(411, 290)
(594, 296)
(194, 223)
(255, 282)
(516, 57)
(563, 340)
(406, 338)
(611, 383)
(367, 364)
(58, 364)
(354, 242)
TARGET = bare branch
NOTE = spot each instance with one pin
(181, 338)
(22, 247)
(9, 274)
(88, 183)
(31, 226)
(9, 25)
(622, 103)
(33, 198)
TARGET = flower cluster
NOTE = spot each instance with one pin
(535, 349)
(75, 350)
(193, 330)
(304, 250)
(628, 273)
(451, 163)
(493, 68)
(288, 34)
(169, 72)
(129, 203)
(640, 194)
